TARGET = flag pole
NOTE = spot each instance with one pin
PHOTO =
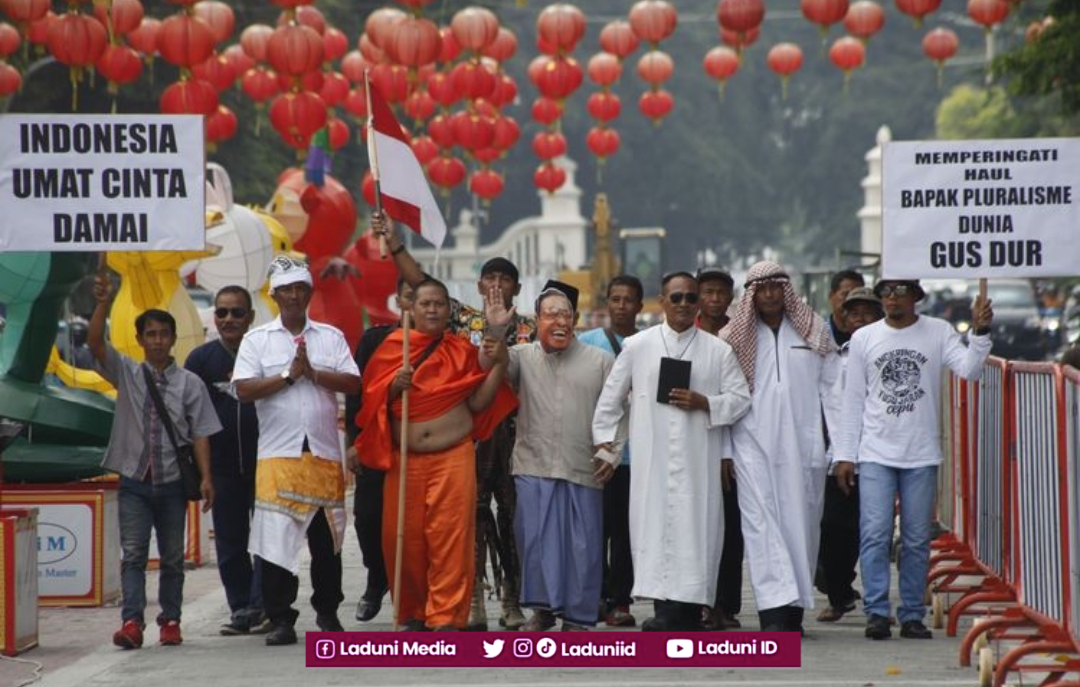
(403, 445)
(373, 159)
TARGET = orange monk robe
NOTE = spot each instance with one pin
(445, 379)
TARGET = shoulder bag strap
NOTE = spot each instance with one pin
(163, 413)
(615, 345)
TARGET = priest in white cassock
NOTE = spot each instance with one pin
(676, 506)
(790, 361)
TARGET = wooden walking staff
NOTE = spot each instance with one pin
(373, 162)
(403, 443)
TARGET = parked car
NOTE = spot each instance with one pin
(1018, 330)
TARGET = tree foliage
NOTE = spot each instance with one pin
(1050, 63)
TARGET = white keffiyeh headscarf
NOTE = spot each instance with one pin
(741, 331)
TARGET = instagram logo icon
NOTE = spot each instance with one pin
(523, 648)
(325, 649)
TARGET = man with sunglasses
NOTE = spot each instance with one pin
(676, 516)
(232, 462)
(891, 427)
(787, 353)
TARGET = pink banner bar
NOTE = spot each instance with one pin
(553, 650)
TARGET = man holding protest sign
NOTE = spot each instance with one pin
(891, 427)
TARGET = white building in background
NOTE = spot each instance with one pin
(870, 213)
(540, 246)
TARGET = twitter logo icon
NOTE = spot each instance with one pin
(493, 649)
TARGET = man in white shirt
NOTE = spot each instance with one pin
(676, 511)
(891, 427)
(293, 368)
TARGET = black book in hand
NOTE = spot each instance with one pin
(674, 374)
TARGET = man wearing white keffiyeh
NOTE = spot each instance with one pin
(790, 362)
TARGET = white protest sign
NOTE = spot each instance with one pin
(969, 209)
(101, 182)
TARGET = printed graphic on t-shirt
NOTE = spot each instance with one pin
(901, 374)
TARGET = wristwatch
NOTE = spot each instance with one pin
(287, 377)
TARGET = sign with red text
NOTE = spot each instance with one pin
(971, 209)
(102, 182)
(553, 650)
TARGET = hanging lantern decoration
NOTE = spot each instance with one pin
(189, 96)
(604, 106)
(549, 145)
(424, 148)
(505, 92)
(918, 9)
(721, 63)
(449, 48)
(220, 126)
(561, 25)
(939, 45)
(655, 67)
(548, 177)
(392, 80)
(486, 183)
(848, 54)
(335, 44)
(353, 66)
(559, 77)
(296, 116)
(656, 105)
(338, 133)
(120, 65)
(238, 59)
(10, 79)
(824, 13)
(502, 48)
(295, 50)
(441, 132)
(864, 19)
(413, 42)
(9, 40)
(255, 39)
(471, 130)
(219, 17)
(446, 172)
(76, 40)
(420, 106)
(603, 142)
(988, 13)
(739, 41)
(38, 32)
(335, 88)
(653, 20)
(306, 15)
(472, 80)
(785, 59)
(120, 17)
(604, 69)
(618, 39)
(507, 133)
(185, 41)
(24, 13)
(217, 71)
(740, 17)
(475, 28)
(260, 84)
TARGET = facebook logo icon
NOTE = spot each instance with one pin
(325, 649)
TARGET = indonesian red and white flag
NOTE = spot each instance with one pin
(404, 190)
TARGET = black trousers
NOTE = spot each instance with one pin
(618, 579)
(839, 542)
(367, 518)
(493, 479)
(729, 579)
(280, 586)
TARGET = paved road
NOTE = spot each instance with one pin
(76, 651)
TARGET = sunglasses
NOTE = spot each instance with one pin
(237, 313)
(899, 290)
(678, 297)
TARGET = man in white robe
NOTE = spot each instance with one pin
(790, 362)
(676, 506)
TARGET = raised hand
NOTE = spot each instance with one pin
(982, 314)
(102, 287)
(495, 312)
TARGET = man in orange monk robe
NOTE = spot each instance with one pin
(455, 397)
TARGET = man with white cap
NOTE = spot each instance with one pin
(787, 353)
(293, 368)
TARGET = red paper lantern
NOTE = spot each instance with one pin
(218, 16)
(824, 13)
(255, 39)
(503, 47)
(238, 59)
(653, 20)
(335, 88)
(559, 77)
(353, 66)
(441, 88)
(475, 28)
(604, 106)
(296, 116)
(486, 183)
(548, 177)
(189, 96)
(505, 92)
(125, 15)
(119, 64)
(338, 133)
(221, 125)
(988, 13)
(25, 12)
(392, 81)
(546, 110)
(413, 42)
(847, 53)
(260, 84)
(602, 141)
(548, 144)
(940, 44)
(561, 25)
(425, 149)
(294, 50)
(217, 71)
(785, 59)
(38, 31)
(144, 37)
(507, 133)
(472, 79)
(76, 40)
(185, 41)
(472, 131)
(446, 172)
(739, 40)
(368, 49)
(864, 19)
(449, 48)
(918, 9)
(312, 81)
(604, 69)
(9, 40)
(721, 63)
(10, 79)
(740, 16)
(335, 44)
(441, 132)
(655, 67)
(618, 39)
(420, 105)
(378, 25)
(355, 103)
(656, 105)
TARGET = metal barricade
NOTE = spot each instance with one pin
(1072, 453)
